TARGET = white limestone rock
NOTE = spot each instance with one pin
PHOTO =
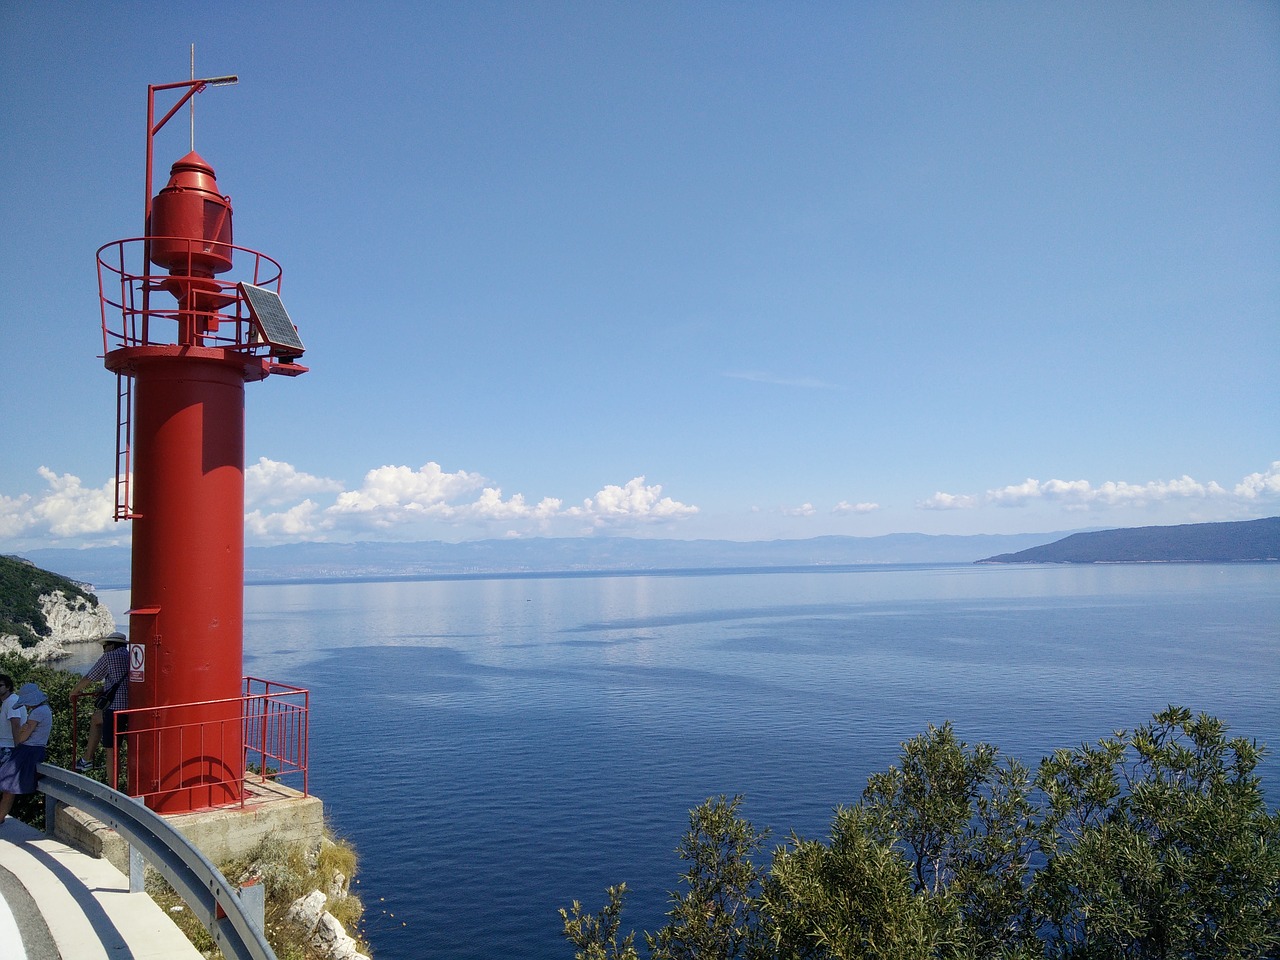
(331, 940)
(71, 620)
(324, 932)
(75, 619)
(46, 649)
(339, 886)
(306, 911)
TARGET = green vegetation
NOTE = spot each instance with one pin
(21, 586)
(57, 685)
(1152, 844)
(287, 872)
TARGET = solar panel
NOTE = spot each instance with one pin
(272, 320)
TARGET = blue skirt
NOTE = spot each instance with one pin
(18, 773)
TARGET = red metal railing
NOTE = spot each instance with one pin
(277, 729)
(268, 726)
(131, 297)
(142, 308)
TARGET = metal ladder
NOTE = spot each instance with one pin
(124, 447)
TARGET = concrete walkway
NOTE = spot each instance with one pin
(66, 905)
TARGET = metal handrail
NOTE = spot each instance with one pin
(273, 721)
(206, 891)
(125, 288)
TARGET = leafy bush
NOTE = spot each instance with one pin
(1151, 844)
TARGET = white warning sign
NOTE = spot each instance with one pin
(137, 662)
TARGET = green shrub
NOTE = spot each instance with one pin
(288, 872)
(1150, 845)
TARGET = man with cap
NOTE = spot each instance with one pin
(112, 669)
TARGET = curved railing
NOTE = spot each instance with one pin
(206, 891)
(136, 298)
(269, 727)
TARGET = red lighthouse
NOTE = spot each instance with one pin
(188, 319)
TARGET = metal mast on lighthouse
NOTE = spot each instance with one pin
(188, 318)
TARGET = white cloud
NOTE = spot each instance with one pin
(393, 497)
(272, 482)
(634, 502)
(287, 504)
(1066, 491)
(804, 510)
(1015, 494)
(303, 521)
(844, 507)
(491, 506)
(1260, 486)
(71, 510)
(948, 501)
(15, 515)
(1112, 493)
(389, 496)
(1120, 494)
(393, 493)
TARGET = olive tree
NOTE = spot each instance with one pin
(1155, 844)
(850, 899)
(596, 934)
(715, 915)
(965, 820)
(717, 912)
(1162, 847)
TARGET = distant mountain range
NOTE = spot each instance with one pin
(108, 567)
(1194, 542)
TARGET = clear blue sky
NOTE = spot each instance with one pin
(714, 269)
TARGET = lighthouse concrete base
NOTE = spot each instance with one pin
(221, 834)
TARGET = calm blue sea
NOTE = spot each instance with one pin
(498, 748)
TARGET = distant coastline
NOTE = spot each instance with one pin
(108, 567)
(1245, 541)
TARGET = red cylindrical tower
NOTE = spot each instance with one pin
(181, 467)
(188, 572)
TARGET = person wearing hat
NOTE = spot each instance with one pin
(112, 670)
(9, 710)
(18, 773)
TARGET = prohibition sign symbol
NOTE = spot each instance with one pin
(137, 661)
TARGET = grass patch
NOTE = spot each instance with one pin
(288, 872)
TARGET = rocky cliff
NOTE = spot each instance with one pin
(41, 612)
